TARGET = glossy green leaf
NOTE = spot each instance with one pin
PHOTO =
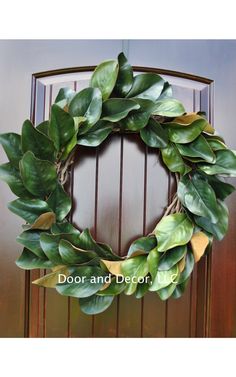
(71, 255)
(61, 127)
(104, 77)
(189, 265)
(90, 279)
(173, 160)
(31, 240)
(69, 147)
(198, 197)
(29, 261)
(147, 86)
(142, 245)
(215, 144)
(36, 142)
(221, 189)
(195, 160)
(154, 135)
(95, 304)
(197, 148)
(179, 289)
(29, 210)
(88, 104)
(38, 176)
(167, 91)
(163, 279)
(153, 261)
(114, 289)
(172, 257)
(86, 242)
(11, 143)
(168, 107)
(136, 267)
(59, 202)
(43, 127)
(50, 246)
(135, 121)
(115, 109)
(214, 138)
(173, 230)
(63, 228)
(225, 164)
(11, 175)
(220, 228)
(142, 289)
(64, 97)
(138, 119)
(125, 76)
(166, 292)
(183, 134)
(96, 135)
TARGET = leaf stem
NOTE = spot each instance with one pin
(63, 170)
(171, 206)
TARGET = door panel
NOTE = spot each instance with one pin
(120, 190)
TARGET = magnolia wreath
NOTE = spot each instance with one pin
(39, 165)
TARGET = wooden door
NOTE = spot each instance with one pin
(120, 190)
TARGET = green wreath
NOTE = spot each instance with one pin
(39, 165)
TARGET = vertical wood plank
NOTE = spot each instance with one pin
(223, 296)
(157, 199)
(36, 294)
(132, 226)
(83, 217)
(107, 231)
(178, 311)
(55, 324)
(203, 266)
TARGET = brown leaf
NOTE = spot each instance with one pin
(186, 119)
(189, 118)
(43, 222)
(105, 286)
(199, 242)
(51, 280)
(181, 264)
(113, 267)
(56, 268)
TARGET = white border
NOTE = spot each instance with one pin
(122, 19)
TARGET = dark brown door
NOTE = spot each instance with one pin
(120, 190)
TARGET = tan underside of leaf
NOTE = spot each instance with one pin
(199, 242)
(113, 267)
(185, 120)
(50, 280)
(56, 268)
(137, 252)
(209, 129)
(106, 285)
(44, 221)
(181, 264)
